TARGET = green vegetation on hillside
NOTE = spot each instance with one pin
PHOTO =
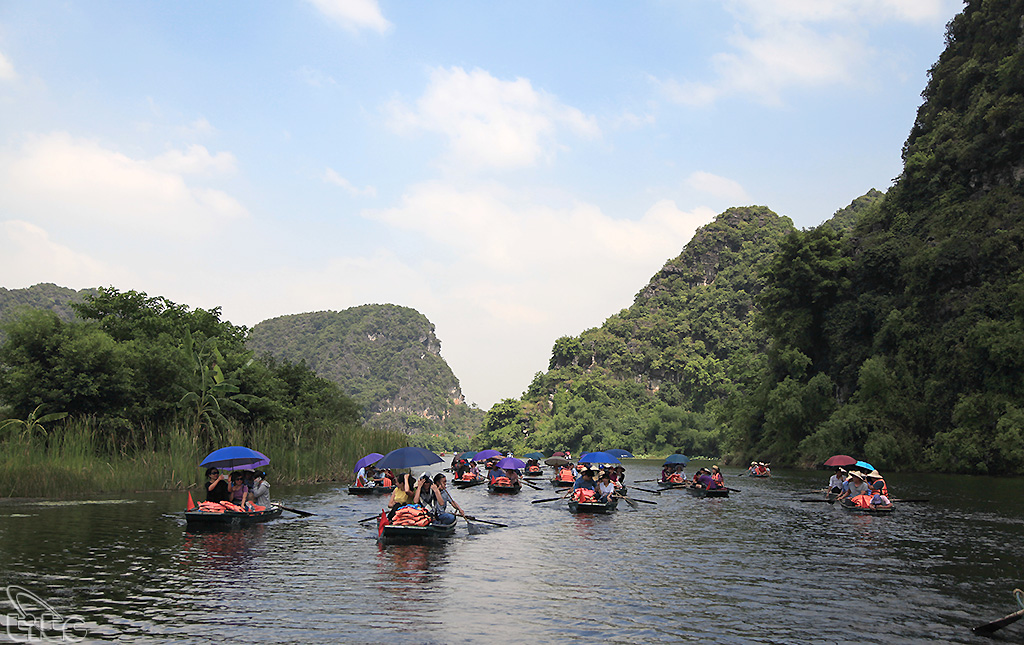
(136, 375)
(388, 359)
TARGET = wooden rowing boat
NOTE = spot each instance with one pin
(534, 473)
(468, 483)
(405, 534)
(370, 490)
(874, 510)
(668, 485)
(499, 488)
(698, 491)
(205, 520)
(558, 483)
(602, 508)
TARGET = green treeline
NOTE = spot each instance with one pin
(894, 332)
(150, 387)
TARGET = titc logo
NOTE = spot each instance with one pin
(37, 622)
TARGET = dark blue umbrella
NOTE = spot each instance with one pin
(465, 455)
(367, 460)
(620, 453)
(408, 458)
(235, 458)
(599, 458)
(484, 455)
(677, 459)
(511, 463)
(534, 455)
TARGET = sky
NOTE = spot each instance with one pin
(514, 171)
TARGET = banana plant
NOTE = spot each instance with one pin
(214, 392)
(33, 423)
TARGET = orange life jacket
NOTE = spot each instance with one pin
(502, 481)
(863, 501)
(675, 478)
(565, 475)
(468, 476)
(583, 495)
(885, 489)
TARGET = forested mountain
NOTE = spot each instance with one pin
(903, 339)
(894, 331)
(651, 378)
(387, 358)
(42, 296)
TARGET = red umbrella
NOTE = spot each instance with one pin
(840, 460)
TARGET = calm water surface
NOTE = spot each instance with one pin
(758, 567)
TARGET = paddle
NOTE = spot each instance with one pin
(830, 501)
(646, 490)
(908, 501)
(477, 519)
(643, 481)
(297, 511)
(988, 628)
(548, 499)
(733, 490)
(633, 501)
(368, 519)
(523, 481)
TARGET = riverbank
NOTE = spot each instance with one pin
(76, 459)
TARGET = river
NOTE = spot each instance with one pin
(758, 567)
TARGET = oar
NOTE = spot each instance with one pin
(642, 481)
(830, 501)
(523, 481)
(733, 490)
(646, 490)
(633, 501)
(477, 519)
(628, 500)
(548, 499)
(297, 511)
(988, 628)
(908, 501)
(367, 519)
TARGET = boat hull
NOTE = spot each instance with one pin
(431, 533)
(370, 490)
(561, 484)
(874, 510)
(600, 508)
(201, 520)
(511, 490)
(673, 485)
(463, 483)
(703, 492)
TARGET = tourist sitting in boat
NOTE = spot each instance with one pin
(704, 480)
(854, 487)
(238, 491)
(565, 474)
(493, 472)
(835, 482)
(216, 486)
(716, 474)
(424, 494)
(760, 469)
(879, 500)
(441, 500)
(261, 490)
(364, 478)
(512, 475)
(605, 487)
(585, 480)
(386, 479)
(877, 484)
(532, 466)
(403, 493)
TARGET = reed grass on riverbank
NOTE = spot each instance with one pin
(77, 457)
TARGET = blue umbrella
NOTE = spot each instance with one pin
(599, 458)
(484, 455)
(534, 455)
(620, 453)
(863, 465)
(408, 458)
(367, 460)
(677, 459)
(235, 458)
(511, 463)
(464, 455)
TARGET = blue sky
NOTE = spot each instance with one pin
(516, 172)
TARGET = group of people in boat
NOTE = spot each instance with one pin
(426, 497)
(759, 469)
(866, 490)
(711, 479)
(369, 477)
(601, 486)
(246, 489)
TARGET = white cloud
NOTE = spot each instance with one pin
(60, 178)
(195, 160)
(332, 177)
(798, 43)
(490, 122)
(354, 15)
(315, 77)
(720, 187)
(31, 257)
(7, 72)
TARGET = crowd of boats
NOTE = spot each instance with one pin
(422, 509)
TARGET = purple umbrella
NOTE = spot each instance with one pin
(371, 458)
(484, 455)
(511, 463)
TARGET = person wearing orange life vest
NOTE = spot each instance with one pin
(584, 483)
(716, 474)
(877, 483)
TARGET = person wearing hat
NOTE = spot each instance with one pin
(585, 480)
(424, 495)
(705, 480)
(874, 479)
(605, 487)
(716, 474)
(854, 486)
